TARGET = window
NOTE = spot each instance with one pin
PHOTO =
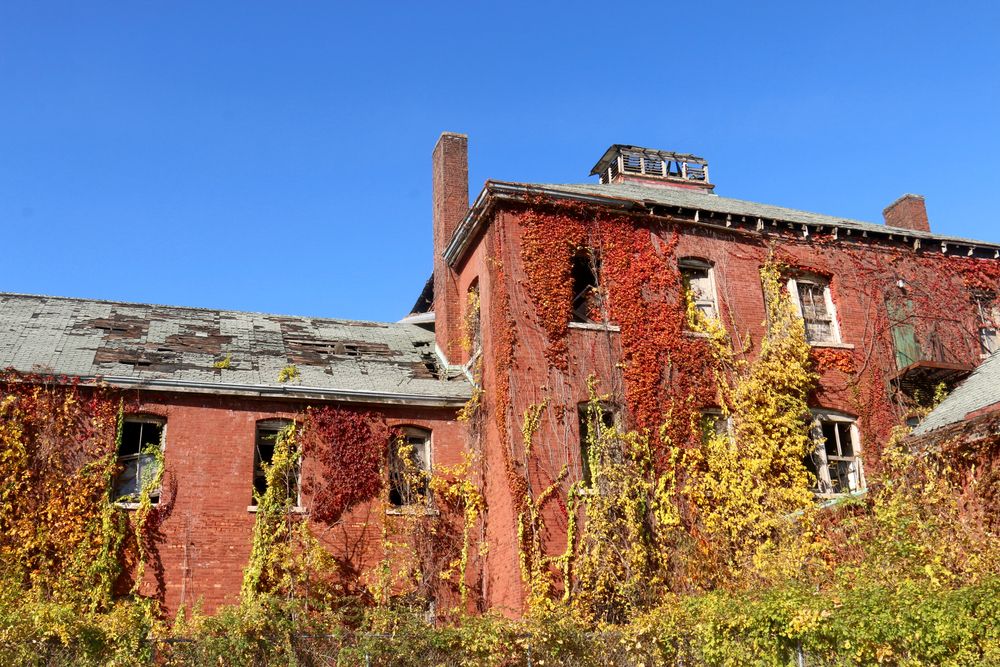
(263, 453)
(586, 293)
(138, 465)
(836, 462)
(410, 467)
(699, 282)
(714, 423)
(812, 297)
(591, 426)
(988, 316)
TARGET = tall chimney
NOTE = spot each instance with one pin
(907, 212)
(451, 203)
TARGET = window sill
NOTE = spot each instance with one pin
(831, 344)
(594, 326)
(291, 510)
(412, 510)
(131, 506)
(695, 334)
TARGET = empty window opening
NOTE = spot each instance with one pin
(586, 293)
(593, 425)
(815, 305)
(836, 461)
(410, 467)
(699, 285)
(988, 316)
(263, 454)
(473, 324)
(137, 461)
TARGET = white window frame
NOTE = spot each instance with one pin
(702, 265)
(822, 459)
(131, 502)
(988, 319)
(428, 467)
(831, 309)
(273, 425)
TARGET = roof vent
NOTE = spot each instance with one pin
(634, 164)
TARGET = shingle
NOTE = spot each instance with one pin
(980, 390)
(89, 338)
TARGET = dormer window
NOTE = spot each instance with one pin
(699, 284)
(811, 295)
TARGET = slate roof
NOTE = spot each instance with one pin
(980, 390)
(177, 348)
(704, 201)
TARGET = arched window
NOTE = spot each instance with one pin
(265, 439)
(409, 467)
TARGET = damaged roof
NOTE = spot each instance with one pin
(223, 351)
(632, 194)
(978, 392)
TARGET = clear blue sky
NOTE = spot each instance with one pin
(275, 156)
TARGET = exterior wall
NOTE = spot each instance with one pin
(864, 279)
(204, 540)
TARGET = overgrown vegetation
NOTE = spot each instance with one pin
(686, 544)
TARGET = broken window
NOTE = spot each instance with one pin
(836, 461)
(137, 461)
(586, 293)
(988, 316)
(593, 423)
(812, 297)
(699, 284)
(410, 467)
(263, 453)
(714, 423)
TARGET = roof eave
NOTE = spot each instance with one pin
(279, 392)
(474, 220)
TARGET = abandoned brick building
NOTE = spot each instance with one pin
(535, 289)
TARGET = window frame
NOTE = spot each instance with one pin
(589, 295)
(132, 501)
(697, 264)
(822, 459)
(610, 418)
(272, 424)
(831, 308)
(395, 473)
(987, 322)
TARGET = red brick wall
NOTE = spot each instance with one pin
(861, 274)
(205, 538)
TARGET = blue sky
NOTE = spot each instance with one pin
(275, 156)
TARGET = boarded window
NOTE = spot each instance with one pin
(137, 463)
(409, 468)
(263, 454)
(699, 283)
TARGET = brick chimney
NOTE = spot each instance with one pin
(451, 203)
(907, 212)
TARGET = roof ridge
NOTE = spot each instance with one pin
(195, 308)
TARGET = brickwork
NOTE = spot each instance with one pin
(451, 202)
(861, 274)
(204, 541)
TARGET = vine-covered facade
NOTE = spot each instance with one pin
(638, 363)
